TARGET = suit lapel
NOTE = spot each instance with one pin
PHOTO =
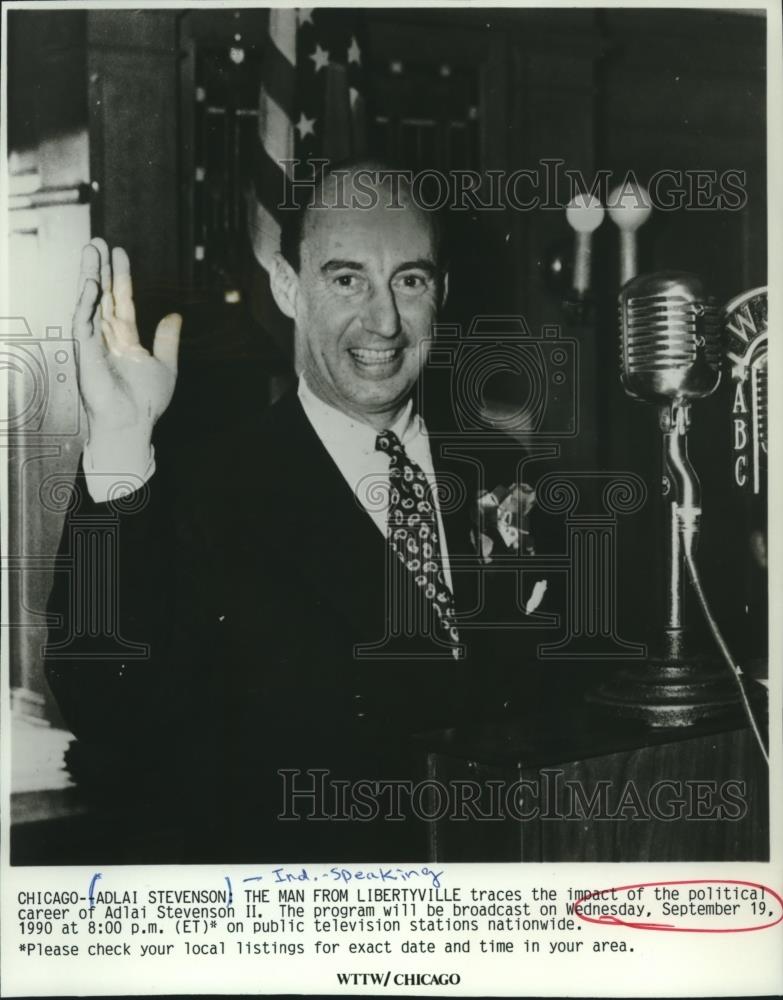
(322, 526)
(456, 516)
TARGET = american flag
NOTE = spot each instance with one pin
(311, 106)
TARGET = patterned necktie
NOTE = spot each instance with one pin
(413, 533)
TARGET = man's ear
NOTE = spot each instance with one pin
(284, 282)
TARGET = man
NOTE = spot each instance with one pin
(289, 599)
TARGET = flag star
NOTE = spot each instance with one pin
(304, 15)
(354, 52)
(320, 57)
(305, 126)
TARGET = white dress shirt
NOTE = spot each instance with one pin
(351, 445)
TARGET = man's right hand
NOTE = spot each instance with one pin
(123, 387)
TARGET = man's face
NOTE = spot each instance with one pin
(365, 299)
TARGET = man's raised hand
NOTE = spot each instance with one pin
(123, 387)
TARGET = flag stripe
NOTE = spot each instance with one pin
(278, 79)
(337, 127)
(270, 181)
(274, 129)
(282, 31)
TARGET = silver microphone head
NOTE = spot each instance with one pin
(670, 343)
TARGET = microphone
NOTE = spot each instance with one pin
(670, 344)
(669, 355)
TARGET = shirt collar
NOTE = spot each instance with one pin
(337, 427)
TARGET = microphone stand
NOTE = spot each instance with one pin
(676, 687)
(680, 480)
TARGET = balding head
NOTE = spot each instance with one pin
(366, 184)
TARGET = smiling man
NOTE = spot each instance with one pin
(285, 599)
(363, 284)
(363, 289)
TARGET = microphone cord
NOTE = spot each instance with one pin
(721, 642)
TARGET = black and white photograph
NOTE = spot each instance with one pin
(385, 445)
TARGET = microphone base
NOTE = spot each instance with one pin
(670, 692)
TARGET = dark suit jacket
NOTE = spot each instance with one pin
(246, 576)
